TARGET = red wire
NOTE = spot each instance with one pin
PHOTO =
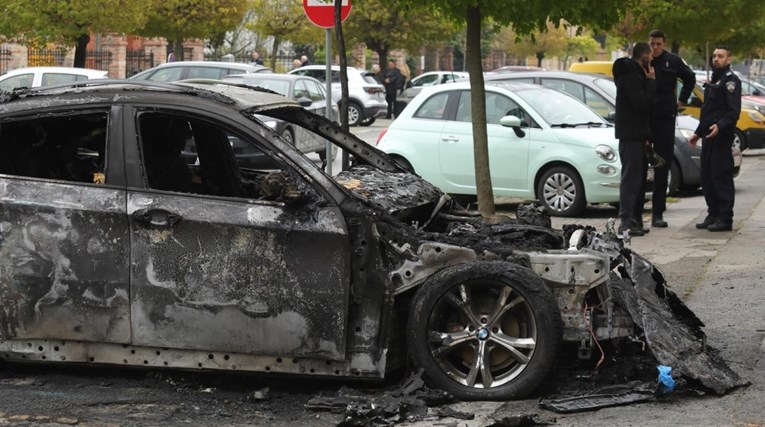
(602, 353)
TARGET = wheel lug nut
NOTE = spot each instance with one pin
(471, 328)
(483, 320)
(495, 330)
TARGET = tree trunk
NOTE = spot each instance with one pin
(178, 49)
(483, 184)
(275, 51)
(81, 51)
(540, 57)
(676, 47)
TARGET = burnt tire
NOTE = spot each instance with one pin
(485, 331)
(561, 192)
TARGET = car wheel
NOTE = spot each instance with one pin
(485, 331)
(368, 121)
(739, 140)
(674, 179)
(288, 136)
(561, 191)
(355, 114)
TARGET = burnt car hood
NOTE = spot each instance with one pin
(392, 192)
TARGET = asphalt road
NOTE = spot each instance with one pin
(719, 276)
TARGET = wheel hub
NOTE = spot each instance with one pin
(482, 334)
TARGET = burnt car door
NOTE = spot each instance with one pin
(63, 228)
(225, 257)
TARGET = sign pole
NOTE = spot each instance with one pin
(328, 52)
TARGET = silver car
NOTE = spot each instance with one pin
(366, 96)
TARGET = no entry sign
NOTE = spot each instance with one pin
(322, 12)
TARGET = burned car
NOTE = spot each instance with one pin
(134, 230)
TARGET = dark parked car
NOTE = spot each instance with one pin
(599, 93)
(120, 249)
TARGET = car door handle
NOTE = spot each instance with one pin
(449, 139)
(156, 217)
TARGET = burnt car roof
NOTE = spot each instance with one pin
(240, 97)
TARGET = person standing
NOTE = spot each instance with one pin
(255, 58)
(304, 61)
(635, 85)
(392, 79)
(668, 68)
(717, 124)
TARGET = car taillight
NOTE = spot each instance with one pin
(373, 89)
(380, 137)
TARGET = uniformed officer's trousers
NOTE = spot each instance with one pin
(717, 176)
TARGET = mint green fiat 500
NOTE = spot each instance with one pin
(543, 144)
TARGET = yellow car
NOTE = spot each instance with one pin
(750, 128)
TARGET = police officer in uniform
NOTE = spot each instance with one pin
(719, 114)
(669, 68)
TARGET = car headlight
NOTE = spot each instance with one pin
(606, 153)
(756, 117)
(271, 124)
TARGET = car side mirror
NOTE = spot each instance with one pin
(611, 117)
(513, 122)
(757, 93)
(304, 102)
(695, 102)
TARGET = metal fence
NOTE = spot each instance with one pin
(283, 62)
(46, 57)
(95, 59)
(5, 59)
(98, 59)
(137, 61)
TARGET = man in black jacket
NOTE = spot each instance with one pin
(669, 69)
(635, 85)
(719, 114)
(393, 81)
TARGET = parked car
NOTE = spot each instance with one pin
(366, 96)
(120, 250)
(46, 76)
(750, 127)
(431, 78)
(599, 93)
(182, 70)
(307, 91)
(543, 145)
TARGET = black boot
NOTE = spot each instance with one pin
(720, 225)
(658, 221)
(709, 220)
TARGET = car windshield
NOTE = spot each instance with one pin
(281, 87)
(607, 85)
(559, 109)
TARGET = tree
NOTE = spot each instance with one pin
(681, 20)
(383, 25)
(284, 20)
(550, 42)
(525, 16)
(239, 40)
(70, 22)
(177, 20)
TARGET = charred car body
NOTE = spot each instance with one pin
(134, 231)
